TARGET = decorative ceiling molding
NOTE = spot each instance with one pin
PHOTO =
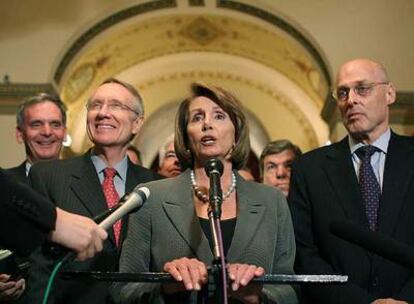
(307, 68)
(282, 24)
(105, 24)
(187, 33)
(182, 31)
(12, 94)
(196, 2)
(22, 90)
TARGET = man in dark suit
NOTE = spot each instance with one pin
(80, 185)
(41, 127)
(332, 183)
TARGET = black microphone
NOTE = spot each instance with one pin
(129, 203)
(375, 242)
(214, 169)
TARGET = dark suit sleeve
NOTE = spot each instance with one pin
(309, 259)
(407, 290)
(26, 217)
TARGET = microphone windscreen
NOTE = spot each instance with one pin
(214, 165)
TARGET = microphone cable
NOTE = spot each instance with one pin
(129, 202)
(51, 280)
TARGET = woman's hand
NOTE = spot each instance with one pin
(191, 273)
(241, 275)
(10, 290)
(388, 301)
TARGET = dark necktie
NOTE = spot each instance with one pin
(368, 183)
(111, 197)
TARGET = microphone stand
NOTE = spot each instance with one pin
(214, 169)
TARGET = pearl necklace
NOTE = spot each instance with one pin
(204, 197)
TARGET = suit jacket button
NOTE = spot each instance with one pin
(374, 282)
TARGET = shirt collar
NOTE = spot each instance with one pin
(381, 142)
(28, 166)
(121, 167)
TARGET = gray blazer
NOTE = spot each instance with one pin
(168, 228)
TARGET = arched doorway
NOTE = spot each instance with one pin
(276, 72)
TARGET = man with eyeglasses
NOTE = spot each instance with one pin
(367, 179)
(91, 184)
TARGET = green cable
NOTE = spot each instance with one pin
(50, 282)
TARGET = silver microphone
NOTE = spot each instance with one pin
(132, 201)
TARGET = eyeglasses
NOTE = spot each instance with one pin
(112, 106)
(362, 89)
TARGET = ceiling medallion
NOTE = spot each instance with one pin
(201, 31)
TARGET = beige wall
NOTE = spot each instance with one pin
(11, 153)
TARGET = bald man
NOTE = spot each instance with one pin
(367, 179)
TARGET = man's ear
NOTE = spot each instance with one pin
(19, 135)
(137, 124)
(391, 94)
(66, 138)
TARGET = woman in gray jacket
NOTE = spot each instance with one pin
(171, 232)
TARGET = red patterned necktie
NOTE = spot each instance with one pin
(111, 197)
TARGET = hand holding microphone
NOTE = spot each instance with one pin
(84, 235)
(78, 233)
(127, 204)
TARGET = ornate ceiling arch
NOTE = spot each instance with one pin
(270, 65)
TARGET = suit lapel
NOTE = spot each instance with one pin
(132, 180)
(87, 187)
(398, 173)
(21, 173)
(85, 184)
(249, 215)
(180, 211)
(341, 174)
(133, 177)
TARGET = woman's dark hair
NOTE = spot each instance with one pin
(231, 105)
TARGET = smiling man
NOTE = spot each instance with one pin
(367, 179)
(41, 127)
(92, 183)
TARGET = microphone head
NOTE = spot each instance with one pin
(143, 190)
(213, 165)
